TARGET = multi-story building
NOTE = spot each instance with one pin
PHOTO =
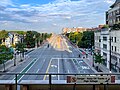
(74, 29)
(113, 14)
(97, 41)
(12, 39)
(103, 40)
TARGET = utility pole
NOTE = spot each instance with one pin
(15, 59)
(92, 52)
(110, 53)
(23, 46)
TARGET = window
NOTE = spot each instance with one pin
(112, 48)
(115, 39)
(104, 46)
(115, 48)
(104, 38)
(112, 39)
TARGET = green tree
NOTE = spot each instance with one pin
(3, 35)
(105, 26)
(98, 59)
(78, 37)
(116, 27)
(20, 47)
(34, 38)
(5, 54)
(29, 39)
(87, 40)
(19, 32)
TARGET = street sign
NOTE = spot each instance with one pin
(87, 79)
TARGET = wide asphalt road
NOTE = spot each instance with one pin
(59, 57)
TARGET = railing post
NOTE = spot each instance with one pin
(74, 87)
(93, 86)
(104, 87)
(16, 81)
(50, 80)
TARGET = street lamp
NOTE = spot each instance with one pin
(110, 50)
(93, 56)
(35, 41)
(15, 59)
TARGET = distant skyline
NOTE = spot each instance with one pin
(52, 15)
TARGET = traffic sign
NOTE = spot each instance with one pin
(91, 79)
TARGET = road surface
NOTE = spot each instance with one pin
(60, 56)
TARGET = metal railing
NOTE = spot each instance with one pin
(50, 76)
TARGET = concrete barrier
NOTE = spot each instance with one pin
(7, 85)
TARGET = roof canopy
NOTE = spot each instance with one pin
(116, 2)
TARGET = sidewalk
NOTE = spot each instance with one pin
(89, 60)
(86, 56)
(10, 63)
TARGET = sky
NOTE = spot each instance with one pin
(52, 15)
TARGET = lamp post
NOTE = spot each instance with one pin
(23, 47)
(35, 41)
(110, 51)
(15, 59)
(93, 56)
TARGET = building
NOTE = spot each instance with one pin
(96, 28)
(97, 41)
(113, 14)
(12, 39)
(103, 40)
(74, 29)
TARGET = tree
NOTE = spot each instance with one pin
(19, 32)
(105, 26)
(20, 47)
(98, 59)
(116, 27)
(3, 35)
(5, 54)
(29, 39)
(87, 40)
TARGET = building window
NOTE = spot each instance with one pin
(104, 46)
(112, 39)
(115, 39)
(112, 48)
(115, 49)
(104, 38)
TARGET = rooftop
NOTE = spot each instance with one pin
(116, 2)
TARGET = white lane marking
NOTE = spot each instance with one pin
(55, 66)
(28, 69)
(58, 68)
(37, 71)
(68, 71)
(75, 66)
(32, 64)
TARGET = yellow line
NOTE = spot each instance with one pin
(47, 69)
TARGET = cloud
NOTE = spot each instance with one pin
(58, 13)
(5, 2)
(109, 1)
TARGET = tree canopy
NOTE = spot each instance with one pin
(116, 27)
(3, 34)
(98, 58)
(83, 40)
(5, 53)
